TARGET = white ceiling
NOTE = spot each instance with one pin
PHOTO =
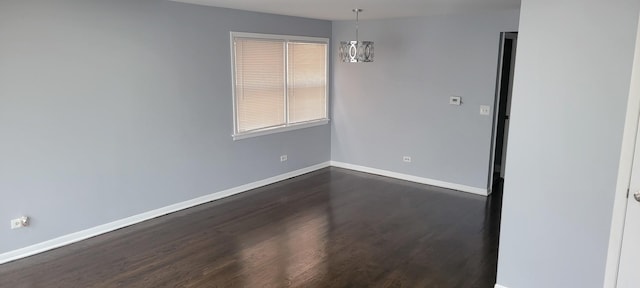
(373, 9)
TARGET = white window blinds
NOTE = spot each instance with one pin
(278, 82)
(260, 95)
(307, 83)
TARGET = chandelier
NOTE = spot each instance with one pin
(356, 51)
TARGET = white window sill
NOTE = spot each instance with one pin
(280, 129)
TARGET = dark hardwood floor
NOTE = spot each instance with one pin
(328, 228)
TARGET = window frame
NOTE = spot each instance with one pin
(287, 126)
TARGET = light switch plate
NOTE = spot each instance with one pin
(455, 100)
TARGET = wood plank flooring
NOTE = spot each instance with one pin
(329, 228)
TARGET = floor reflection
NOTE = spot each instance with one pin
(291, 254)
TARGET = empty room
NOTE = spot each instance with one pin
(287, 143)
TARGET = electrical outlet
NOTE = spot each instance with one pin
(406, 159)
(485, 109)
(283, 158)
(16, 223)
(20, 222)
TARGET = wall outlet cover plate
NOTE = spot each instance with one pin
(485, 109)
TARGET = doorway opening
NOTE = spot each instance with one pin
(502, 110)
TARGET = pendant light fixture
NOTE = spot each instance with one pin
(356, 51)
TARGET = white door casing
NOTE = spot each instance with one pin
(629, 266)
(623, 261)
(629, 271)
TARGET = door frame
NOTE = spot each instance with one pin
(496, 102)
(621, 196)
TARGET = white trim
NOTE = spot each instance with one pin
(272, 130)
(233, 84)
(279, 37)
(500, 286)
(624, 173)
(286, 126)
(496, 102)
(118, 224)
(105, 228)
(422, 180)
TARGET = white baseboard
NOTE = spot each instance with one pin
(463, 188)
(105, 228)
(115, 225)
(499, 286)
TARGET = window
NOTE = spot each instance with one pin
(279, 82)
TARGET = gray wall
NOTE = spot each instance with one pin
(399, 104)
(113, 108)
(572, 79)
